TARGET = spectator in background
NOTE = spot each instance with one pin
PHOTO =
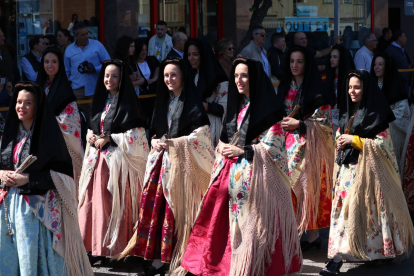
(161, 43)
(226, 50)
(300, 39)
(124, 50)
(363, 57)
(64, 39)
(178, 41)
(402, 60)
(31, 61)
(255, 49)
(51, 41)
(6, 61)
(73, 22)
(276, 54)
(6, 71)
(48, 29)
(148, 67)
(385, 40)
(83, 60)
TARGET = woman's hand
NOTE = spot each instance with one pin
(101, 142)
(133, 77)
(231, 151)
(6, 178)
(155, 144)
(343, 140)
(164, 145)
(290, 123)
(92, 139)
(20, 179)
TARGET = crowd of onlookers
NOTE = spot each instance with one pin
(83, 57)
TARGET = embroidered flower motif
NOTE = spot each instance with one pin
(234, 207)
(64, 126)
(384, 134)
(290, 140)
(240, 196)
(343, 194)
(69, 109)
(77, 134)
(130, 140)
(277, 129)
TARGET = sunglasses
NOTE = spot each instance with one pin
(231, 48)
(262, 35)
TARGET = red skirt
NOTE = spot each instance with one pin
(156, 221)
(208, 250)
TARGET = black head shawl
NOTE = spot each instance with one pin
(125, 112)
(210, 71)
(346, 64)
(45, 140)
(60, 91)
(189, 113)
(312, 96)
(372, 115)
(393, 87)
(265, 109)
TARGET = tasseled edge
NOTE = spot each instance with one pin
(271, 217)
(70, 246)
(188, 183)
(376, 178)
(319, 155)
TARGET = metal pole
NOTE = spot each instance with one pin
(336, 17)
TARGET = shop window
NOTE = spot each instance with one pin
(177, 15)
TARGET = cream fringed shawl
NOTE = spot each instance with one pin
(319, 154)
(191, 160)
(126, 161)
(70, 245)
(270, 217)
(376, 180)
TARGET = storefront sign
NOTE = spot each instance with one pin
(312, 24)
(409, 7)
(307, 11)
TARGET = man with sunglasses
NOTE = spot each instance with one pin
(31, 61)
(255, 49)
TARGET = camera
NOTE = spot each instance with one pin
(83, 65)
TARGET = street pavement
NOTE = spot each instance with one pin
(314, 261)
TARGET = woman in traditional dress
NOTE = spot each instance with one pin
(385, 72)
(370, 219)
(340, 64)
(248, 203)
(177, 174)
(39, 225)
(114, 164)
(309, 143)
(124, 50)
(211, 82)
(52, 78)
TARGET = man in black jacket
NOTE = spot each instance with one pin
(276, 55)
(402, 60)
(385, 40)
(178, 40)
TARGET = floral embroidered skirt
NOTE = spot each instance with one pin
(31, 252)
(382, 244)
(408, 176)
(156, 220)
